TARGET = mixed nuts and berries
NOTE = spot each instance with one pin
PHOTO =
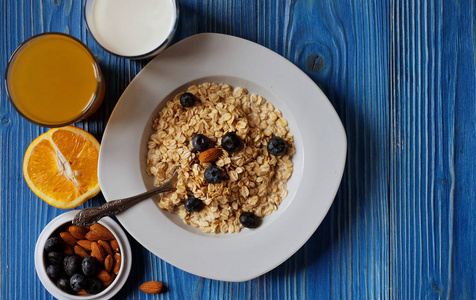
(82, 260)
(234, 151)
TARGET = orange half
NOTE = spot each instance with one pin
(60, 166)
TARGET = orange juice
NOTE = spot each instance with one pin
(53, 80)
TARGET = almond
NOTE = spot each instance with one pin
(67, 249)
(68, 238)
(77, 232)
(97, 252)
(82, 293)
(115, 246)
(99, 232)
(85, 244)
(94, 236)
(80, 251)
(108, 282)
(108, 263)
(151, 287)
(90, 236)
(103, 231)
(117, 263)
(104, 275)
(209, 155)
(106, 247)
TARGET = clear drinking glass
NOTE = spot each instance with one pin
(52, 79)
(133, 29)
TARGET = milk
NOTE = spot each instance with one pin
(131, 27)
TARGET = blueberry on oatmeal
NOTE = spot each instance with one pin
(249, 219)
(187, 99)
(213, 174)
(231, 142)
(277, 146)
(193, 204)
(200, 142)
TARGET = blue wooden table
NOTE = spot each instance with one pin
(402, 77)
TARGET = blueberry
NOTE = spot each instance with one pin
(54, 271)
(54, 244)
(193, 204)
(72, 264)
(249, 219)
(63, 283)
(200, 142)
(231, 142)
(213, 174)
(56, 257)
(187, 99)
(89, 265)
(78, 282)
(93, 285)
(277, 146)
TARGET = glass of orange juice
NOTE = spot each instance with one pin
(53, 80)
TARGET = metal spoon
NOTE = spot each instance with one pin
(91, 215)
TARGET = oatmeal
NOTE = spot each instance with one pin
(250, 179)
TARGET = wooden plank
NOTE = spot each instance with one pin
(432, 178)
(351, 40)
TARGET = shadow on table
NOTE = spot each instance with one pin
(348, 236)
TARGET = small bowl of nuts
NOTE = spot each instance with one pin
(76, 262)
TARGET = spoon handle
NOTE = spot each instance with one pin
(91, 215)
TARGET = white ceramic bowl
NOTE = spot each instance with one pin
(113, 288)
(319, 161)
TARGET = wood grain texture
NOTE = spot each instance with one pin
(400, 74)
(433, 117)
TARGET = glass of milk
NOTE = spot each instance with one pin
(134, 29)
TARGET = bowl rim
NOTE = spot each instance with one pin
(113, 288)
